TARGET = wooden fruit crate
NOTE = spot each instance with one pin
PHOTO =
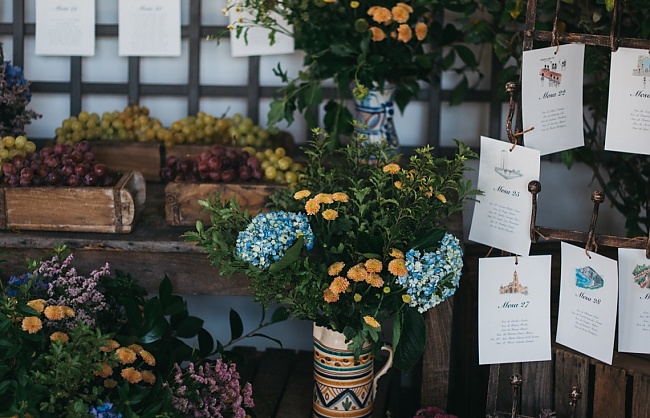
(143, 157)
(74, 209)
(182, 199)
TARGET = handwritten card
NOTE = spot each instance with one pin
(501, 217)
(633, 301)
(588, 296)
(65, 27)
(514, 309)
(149, 28)
(628, 114)
(257, 41)
(551, 97)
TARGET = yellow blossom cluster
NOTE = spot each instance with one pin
(33, 324)
(398, 14)
(313, 205)
(127, 355)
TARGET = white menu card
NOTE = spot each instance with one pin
(588, 296)
(256, 41)
(514, 309)
(65, 27)
(551, 97)
(628, 114)
(633, 301)
(501, 217)
(149, 28)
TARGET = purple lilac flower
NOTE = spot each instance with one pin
(104, 411)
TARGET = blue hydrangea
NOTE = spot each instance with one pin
(38, 288)
(15, 77)
(104, 411)
(433, 277)
(269, 235)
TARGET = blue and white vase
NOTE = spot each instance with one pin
(376, 114)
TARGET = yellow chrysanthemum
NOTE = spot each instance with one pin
(330, 214)
(330, 296)
(126, 355)
(312, 207)
(131, 375)
(391, 168)
(68, 311)
(397, 267)
(400, 14)
(324, 198)
(381, 15)
(301, 194)
(104, 371)
(405, 6)
(421, 31)
(374, 266)
(112, 345)
(357, 273)
(371, 321)
(375, 280)
(398, 184)
(329, 1)
(37, 304)
(441, 197)
(148, 377)
(386, 289)
(406, 298)
(372, 10)
(148, 357)
(340, 197)
(395, 253)
(59, 336)
(110, 383)
(357, 297)
(339, 284)
(378, 35)
(54, 313)
(354, 4)
(404, 33)
(136, 348)
(335, 268)
(32, 324)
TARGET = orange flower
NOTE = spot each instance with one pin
(68, 311)
(104, 371)
(60, 336)
(330, 214)
(391, 168)
(54, 313)
(335, 268)
(373, 266)
(400, 14)
(37, 304)
(148, 377)
(312, 206)
(375, 280)
(421, 31)
(148, 357)
(330, 296)
(126, 355)
(340, 197)
(131, 375)
(301, 194)
(378, 35)
(397, 267)
(32, 324)
(441, 197)
(324, 198)
(398, 185)
(112, 345)
(371, 321)
(339, 284)
(110, 383)
(380, 15)
(405, 6)
(136, 348)
(395, 253)
(357, 273)
(404, 33)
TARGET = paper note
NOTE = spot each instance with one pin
(501, 217)
(588, 297)
(256, 40)
(149, 28)
(551, 97)
(628, 111)
(65, 27)
(634, 301)
(514, 309)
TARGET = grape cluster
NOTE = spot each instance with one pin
(78, 128)
(277, 165)
(59, 165)
(10, 147)
(218, 165)
(243, 132)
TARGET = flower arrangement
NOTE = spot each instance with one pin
(14, 98)
(359, 242)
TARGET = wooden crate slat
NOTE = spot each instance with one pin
(143, 157)
(270, 380)
(537, 388)
(609, 391)
(297, 397)
(570, 370)
(640, 391)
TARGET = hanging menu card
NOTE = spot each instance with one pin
(634, 301)
(65, 27)
(588, 296)
(149, 28)
(256, 40)
(514, 309)
(501, 217)
(628, 114)
(551, 95)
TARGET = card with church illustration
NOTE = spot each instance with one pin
(628, 110)
(588, 298)
(501, 217)
(551, 97)
(633, 301)
(514, 302)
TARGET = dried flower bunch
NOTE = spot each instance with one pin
(14, 98)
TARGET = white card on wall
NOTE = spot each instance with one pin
(628, 110)
(514, 309)
(501, 217)
(149, 28)
(65, 27)
(551, 97)
(256, 40)
(588, 298)
(633, 301)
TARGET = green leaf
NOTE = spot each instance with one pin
(206, 342)
(189, 327)
(156, 332)
(367, 243)
(467, 55)
(412, 339)
(609, 4)
(397, 328)
(279, 315)
(430, 241)
(276, 112)
(278, 342)
(236, 325)
(165, 291)
(175, 306)
(458, 94)
(292, 254)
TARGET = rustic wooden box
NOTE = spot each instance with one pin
(143, 157)
(74, 209)
(182, 199)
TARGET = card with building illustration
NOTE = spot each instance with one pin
(501, 217)
(633, 301)
(514, 309)
(588, 298)
(551, 97)
(628, 110)
(65, 27)
(149, 28)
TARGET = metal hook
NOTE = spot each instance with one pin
(597, 197)
(534, 187)
(575, 394)
(516, 381)
(615, 29)
(510, 89)
(554, 38)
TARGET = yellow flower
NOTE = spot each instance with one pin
(421, 31)
(110, 383)
(136, 348)
(371, 321)
(60, 336)
(386, 289)
(404, 33)
(406, 298)
(375, 280)
(324, 198)
(32, 324)
(68, 311)
(330, 296)
(329, 1)
(391, 168)
(330, 214)
(395, 253)
(339, 284)
(398, 185)
(148, 377)
(340, 197)
(441, 197)
(148, 357)
(357, 297)
(357, 273)
(335, 268)
(302, 194)
(131, 375)
(54, 313)
(380, 15)
(104, 371)
(397, 267)
(405, 6)
(312, 207)
(37, 304)
(126, 355)
(373, 266)
(112, 345)
(400, 14)
(354, 4)
(378, 35)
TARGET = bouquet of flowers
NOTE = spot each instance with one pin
(360, 241)
(14, 98)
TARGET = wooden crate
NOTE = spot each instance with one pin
(74, 209)
(143, 157)
(182, 199)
